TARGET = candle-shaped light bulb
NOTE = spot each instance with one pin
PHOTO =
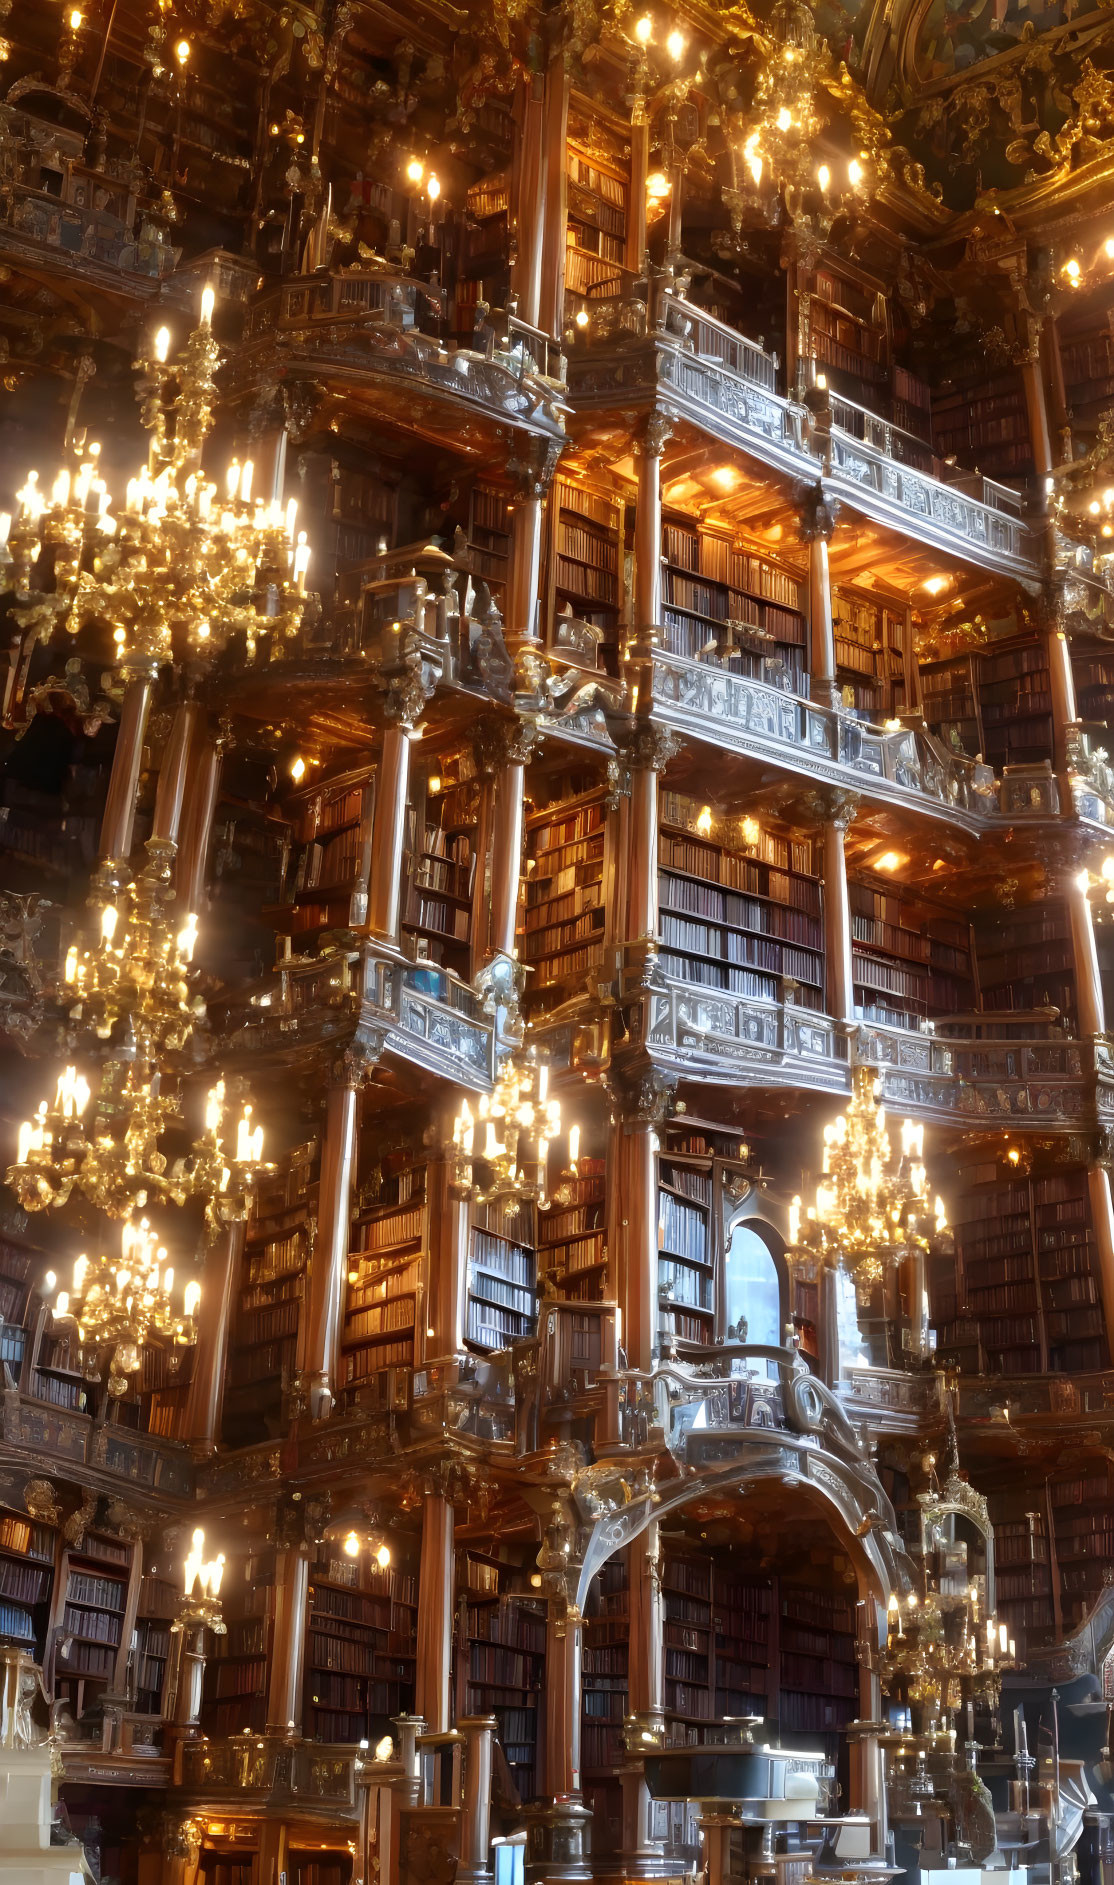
(80, 1268)
(246, 476)
(291, 518)
(110, 917)
(191, 1300)
(1003, 1638)
(795, 1221)
(208, 302)
(187, 937)
(574, 1147)
(468, 1132)
(23, 1143)
(433, 187)
(62, 1306)
(383, 1556)
(162, 345)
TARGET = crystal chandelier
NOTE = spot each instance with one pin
(517, 1124)
(182, 567)
(872, 1208)
(111, 1153)
(122, 1303)
(136, 971)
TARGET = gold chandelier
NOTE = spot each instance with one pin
(873, 1207)
(182, 563)
(122, 1303)
(517, 1126)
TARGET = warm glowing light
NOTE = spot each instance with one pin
(890, 861)
(433, 189)
(704, 821)
(298, 769)
(182, 51)
(675, 46)
(644, 30)
(352, 1545)
(658, 186)
(784, 118)
(935, 584)
(384, 1749)
(726, 477)
(855, 172)
(582, 317)
(823, 176)
(1072, 270)
(383, 1556)
(415, 170)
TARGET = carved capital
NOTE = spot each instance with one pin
(647, 747)
(818, 512)
(831, 806)
(532, 467)
(41, 1501)
(641, 1096)
(655, 435)
(501, 742)
(618, 783)
(354, 1065)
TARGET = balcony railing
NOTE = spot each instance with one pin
(728, 384)
(271, 1770)
(371, 320)
(40, 1431)
(729, 1037)
(1038, 1082)
(425, 1014)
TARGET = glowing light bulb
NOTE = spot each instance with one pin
(191, 1300)
(582, 319)
(644, 30)
(855, 172)
(784, 118)
(675, 46)
(352, 1545)
(433, 189)
(110, 917)
(383, 1556)
(208, 302)
(823, 176)
(415, 170)
(182, 51)
(297, 769)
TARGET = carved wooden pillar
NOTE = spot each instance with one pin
(1066, 743)
(436, 1589)
(1090, 1007)
(838, 813)
(392, 792)
(647, 523)
(563, 1659)
(508, 745)
(643, 1853)
(328, 1269)
(648, 752)
(817, 523)
(641, 1101)
(187, 1674)
(555, 134)
(288, 1643)
(449, 1240)
(206, 1389)
(530, 222)
(1102, 1219)
(475, 1824)
(1055, 390)
(196, 829)
(533, 467)
(1032, 379)
(118, 822)
(174, 770)
(639, 172)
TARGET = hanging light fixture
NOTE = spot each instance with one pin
(123, 1303)
(182, 563)
(873, 1205)
(201, 1582)
(502, 1151)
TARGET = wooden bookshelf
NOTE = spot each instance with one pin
(161, 1388)
(489, 536)
(27, 1553)
(237, 1664)
(502, 1304)
(745, 1630)
(156, 1611)
(564, 916)
(1087, 360)
(1030, 965)
(845, 329)
(268, 1306)
(1081, 1509)
(818, 1667)
(1023, 1294)
(912, 403)
(324, 883)
(1026, 1597)
(598, 187)
(483, 271)
(950, 702)
(870, 655)
(361, 1647)
(502, 1653)
(687, 1252)
(740, 909)
(441, 860)
(983, 421)
(572, 1236)
(383, 1306)
(605, 1683)
(727, 603)
(92, 1620)
(1015, 702)
(911, 957)
(588, 523)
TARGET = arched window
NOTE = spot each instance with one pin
(752, 1288)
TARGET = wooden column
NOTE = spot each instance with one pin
(1056, 396)
(196, 829)
(392, 793)
(645, 1697)
(475, 1821)
(206, 1389)
(648, 752)
(1065, 712)
(636, 216)
(288, 1643)
(448, 1296)
(642, 1101)
(173, 773)
(530, 223)
(328, 1270)
(1102, 1218)
(563, 1657)
(436, 1587)
(1088, 981)
(647, 523)
(187, 1674)
(839, 813)
(1032, 379)
(118, 822)
(555, 134)
(817, 522)
(516, 743)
